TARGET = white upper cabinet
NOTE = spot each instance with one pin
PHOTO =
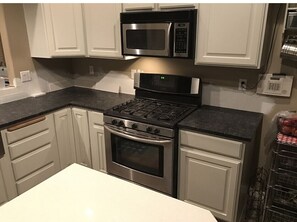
(102, 25)
(177, 5)
(138, 6)
(157, 6)
(230, 34)
(55, 30)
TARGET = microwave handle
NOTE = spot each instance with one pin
(138, 139)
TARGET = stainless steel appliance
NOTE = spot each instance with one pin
(289, 47)
(141, 134)
(162, 34)
(1, 148)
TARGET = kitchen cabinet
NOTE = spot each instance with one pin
(210, 173)
(32, 151)
(97, 140)
(138, 6)
(55, 30)
(8, 188)
(177, 5)
(65, 137)
(230, 34)
(3, 194)
(7, 183)
(102, 25)
(81, 137)
(157, 6)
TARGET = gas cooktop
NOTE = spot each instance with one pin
(151, 111)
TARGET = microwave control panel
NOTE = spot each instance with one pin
(181, 40)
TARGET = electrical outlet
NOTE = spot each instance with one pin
(91, 70)
(242, 84)
(25, 76)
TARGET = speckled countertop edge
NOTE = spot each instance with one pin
(24, 109)
(229, 123)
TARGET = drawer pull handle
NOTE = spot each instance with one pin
(27, 123)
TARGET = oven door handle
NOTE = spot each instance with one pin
(138, 139)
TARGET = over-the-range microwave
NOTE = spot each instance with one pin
(159, 33)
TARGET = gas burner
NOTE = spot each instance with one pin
(152, 110)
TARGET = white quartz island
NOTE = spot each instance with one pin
(78, 194)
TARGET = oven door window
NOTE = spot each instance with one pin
(147, 158)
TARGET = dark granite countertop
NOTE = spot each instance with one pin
(20, 110)
(229, 123)
(224, 122)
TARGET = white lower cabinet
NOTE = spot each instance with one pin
(207, 177)
(42, 146)
(97, 141)
(65, 137)
(8, 189)
(32, 150)
(3, 194)
(81, 136)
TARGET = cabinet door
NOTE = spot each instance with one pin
(3, 194)
(64, 25)
(65, 137)
(102, 22)
(81, 137)
(177, 5)
(230, 34)
(209, 181)
(138, 6)
(97, 141)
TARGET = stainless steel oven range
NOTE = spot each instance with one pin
(141, 135)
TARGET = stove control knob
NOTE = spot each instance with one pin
(134, 126)
(156, 131)
(114, 122)
(149, 129)
(121, 123)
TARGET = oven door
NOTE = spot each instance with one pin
(151, 39)
(145, 161)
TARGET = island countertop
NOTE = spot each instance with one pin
(78, 194)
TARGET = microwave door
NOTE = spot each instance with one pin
(148, 39)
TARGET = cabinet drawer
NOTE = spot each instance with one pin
(212, 144)
(96, 118)
(29, 144)
(35, 178)
(33, 161)
(26, 129)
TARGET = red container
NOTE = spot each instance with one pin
(288, 125)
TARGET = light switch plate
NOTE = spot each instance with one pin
(276, 84)
(25, 76)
